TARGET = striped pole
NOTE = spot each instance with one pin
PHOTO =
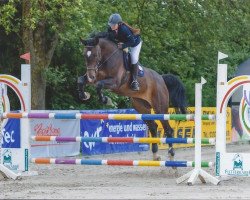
(119, 162)
(123, 140)
(178, 117)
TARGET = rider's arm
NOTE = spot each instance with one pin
(128, 36)
(111, 35)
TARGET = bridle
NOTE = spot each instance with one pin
(99, 64)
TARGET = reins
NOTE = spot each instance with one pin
(99, 63)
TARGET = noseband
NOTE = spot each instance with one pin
(99, 64)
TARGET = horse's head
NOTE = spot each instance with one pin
(100, 54)
(92, 55)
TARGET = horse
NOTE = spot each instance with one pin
(106, 70)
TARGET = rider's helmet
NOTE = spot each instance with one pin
(114, 19)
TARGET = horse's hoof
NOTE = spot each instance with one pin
(86, 96)
(158, 158)
(171, 151)
(171, 158)
(104, 100)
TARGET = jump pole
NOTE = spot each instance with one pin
(77, 115)
(142, 163)
(122, 139)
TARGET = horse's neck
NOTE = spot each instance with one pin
(114, 65)
(107, 47)
(111, 54)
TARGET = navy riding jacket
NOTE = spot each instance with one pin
(125, 35)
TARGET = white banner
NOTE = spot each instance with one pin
(55, 127)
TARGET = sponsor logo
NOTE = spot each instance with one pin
(217, 163)
(8, 137)
(7, 160)
(46, 130)
(237, 162)
(97, 132)
(26, 157)
(237, 167)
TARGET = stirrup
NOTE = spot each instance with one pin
(135, 85)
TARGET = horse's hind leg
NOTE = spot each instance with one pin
(169, 133)
(161, 107)
(153, 130)
(143, 107)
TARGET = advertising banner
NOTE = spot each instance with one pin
(112, 128)
(11, 133)
(55, 127)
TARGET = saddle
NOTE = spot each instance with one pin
(128, 64)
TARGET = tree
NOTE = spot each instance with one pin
(40, 24)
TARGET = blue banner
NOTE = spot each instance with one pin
(112, 128)
(11, 134)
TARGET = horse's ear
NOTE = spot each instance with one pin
(96, 41)
(84, 42)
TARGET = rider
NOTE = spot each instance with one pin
(126, 36)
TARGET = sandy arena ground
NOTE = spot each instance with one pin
(115, 182)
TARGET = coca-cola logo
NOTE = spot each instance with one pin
(43, 130)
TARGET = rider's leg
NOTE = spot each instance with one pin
(135, 52)
(135, 84)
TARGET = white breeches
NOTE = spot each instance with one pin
(135, 52)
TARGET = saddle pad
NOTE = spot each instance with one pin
(127, 64)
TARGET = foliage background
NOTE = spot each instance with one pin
(179, 36)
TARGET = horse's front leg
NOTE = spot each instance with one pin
(109, 83)
(103, 99)
(81, 84)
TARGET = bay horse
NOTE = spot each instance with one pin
(106, 70)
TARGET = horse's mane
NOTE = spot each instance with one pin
(106, 35)
(103, 34)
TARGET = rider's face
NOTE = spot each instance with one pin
(114, 27)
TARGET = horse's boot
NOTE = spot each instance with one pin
(135, 84)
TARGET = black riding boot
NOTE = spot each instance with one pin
(135, 84)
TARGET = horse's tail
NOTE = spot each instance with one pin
(177, 92)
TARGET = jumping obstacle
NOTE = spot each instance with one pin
(120, 162)
(6, 172)
(192, 176)
(25, 116)
(197, 164)
(225, 162)
(229, 164)
(23, 92)
(123, 140)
